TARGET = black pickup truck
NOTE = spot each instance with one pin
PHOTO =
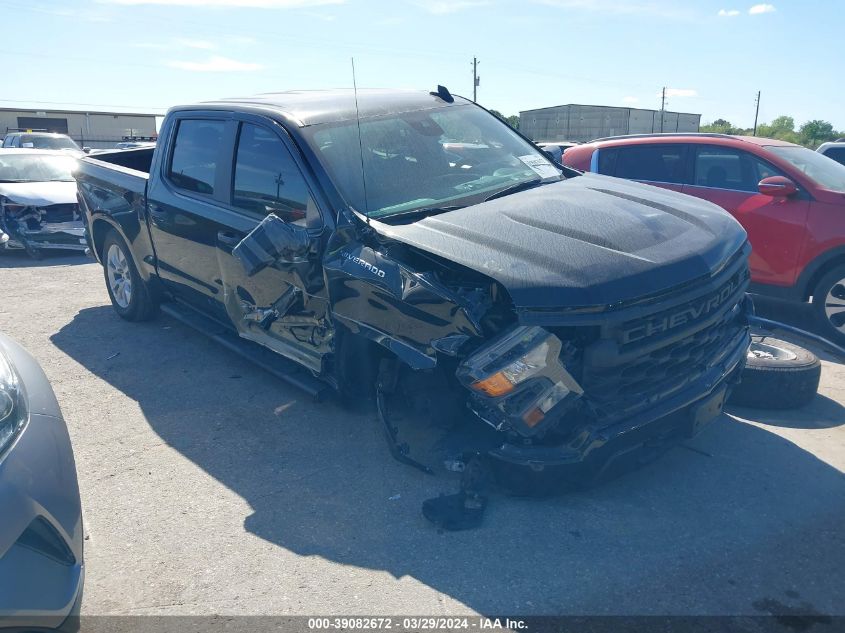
(411, 245)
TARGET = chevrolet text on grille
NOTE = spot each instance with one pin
(691, 312)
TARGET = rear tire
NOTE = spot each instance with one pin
(130, 296)
(829, 304)
(778, 375)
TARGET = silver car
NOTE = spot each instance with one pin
(38, 206)
(41, 568)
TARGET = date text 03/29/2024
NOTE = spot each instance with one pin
(416, 623)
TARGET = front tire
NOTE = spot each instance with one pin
(130, 295)
(829, 304)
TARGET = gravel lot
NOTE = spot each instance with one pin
(208, 486)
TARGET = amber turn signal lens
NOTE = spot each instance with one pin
(533, 418)
(494, 385)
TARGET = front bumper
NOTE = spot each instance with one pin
(594, 453)
(68, 236)
(41, 562)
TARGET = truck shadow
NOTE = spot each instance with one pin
(737, 516)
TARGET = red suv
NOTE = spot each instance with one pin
(790, 200)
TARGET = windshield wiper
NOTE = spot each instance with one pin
(520, 186)
(422, 212)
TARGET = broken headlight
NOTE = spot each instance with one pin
(13, 405)
(520, 380)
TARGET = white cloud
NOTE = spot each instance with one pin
(757, 9)
(443, 7)
(679, 92)
(200, 44)
(251, 4)
(630, 100)
(622, 7)
(215, 64)
(727, 13)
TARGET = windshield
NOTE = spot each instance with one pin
(823, 170)
(35, 168)
(48, 142)
(446, 157)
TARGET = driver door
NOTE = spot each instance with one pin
(281, 305)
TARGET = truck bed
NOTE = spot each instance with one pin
(134, 159)
(113, 187)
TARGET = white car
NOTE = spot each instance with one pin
(835, 150)
(38, 206)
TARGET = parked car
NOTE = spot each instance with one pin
(134, 144)
(573, 317)
(834, 150)
(41, 564)
(556, 148)
(38, 206)
(43, 140)
(790, 200)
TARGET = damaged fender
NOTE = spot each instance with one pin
(413, 314)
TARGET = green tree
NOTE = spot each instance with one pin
(512, 120)
(782, 127)
(721, 126)
(783, 123)
(814, 133)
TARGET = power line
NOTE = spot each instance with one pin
(73, 103)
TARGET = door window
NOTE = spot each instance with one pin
(655, 163)
(268, 180)
(728, 168)
(837, 154)
(193, 165)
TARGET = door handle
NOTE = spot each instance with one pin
(226, 238)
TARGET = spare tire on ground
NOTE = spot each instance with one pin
(779, 375)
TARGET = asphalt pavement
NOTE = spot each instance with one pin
(209, 486)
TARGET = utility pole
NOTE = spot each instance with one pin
(756, 113)
(662, 107)
(476, 80)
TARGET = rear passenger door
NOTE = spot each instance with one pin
(777, 227)
(283, 305)
(660, 164)
(186, 205)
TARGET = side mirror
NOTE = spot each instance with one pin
(777, 187)
(87, 150)
(273, 239)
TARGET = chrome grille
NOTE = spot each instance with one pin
(622, 378)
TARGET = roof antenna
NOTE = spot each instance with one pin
(443, 93)
(360, 143)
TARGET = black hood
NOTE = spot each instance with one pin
(586, 241)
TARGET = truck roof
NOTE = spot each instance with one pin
(310, 107)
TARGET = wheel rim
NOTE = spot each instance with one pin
(120, 281)
(758, 349)
(834, 305)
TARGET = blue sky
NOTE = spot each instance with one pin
(146, 55)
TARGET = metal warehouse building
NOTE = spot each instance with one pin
(586, 122)
(91, 129)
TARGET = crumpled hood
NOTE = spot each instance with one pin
(39, 194)
(586, 241)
